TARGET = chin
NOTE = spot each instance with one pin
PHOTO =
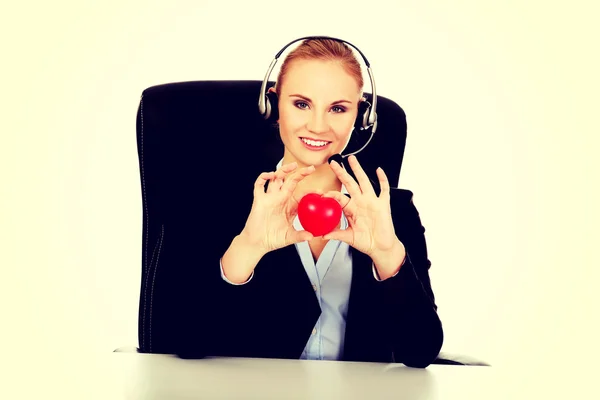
(314, 159)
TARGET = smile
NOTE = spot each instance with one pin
(314, 144)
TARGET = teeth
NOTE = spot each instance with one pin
(314, 142)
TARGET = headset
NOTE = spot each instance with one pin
(366, 119)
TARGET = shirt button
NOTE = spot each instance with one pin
(315, 288)
(314, 331)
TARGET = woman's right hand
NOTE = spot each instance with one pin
(269, 226)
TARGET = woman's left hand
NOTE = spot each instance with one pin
(371, 229)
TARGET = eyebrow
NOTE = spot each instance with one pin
(309, 100)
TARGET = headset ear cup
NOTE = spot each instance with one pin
(272, 103)
(362, 117)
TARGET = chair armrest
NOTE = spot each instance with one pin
(457, 359)
(127, 349)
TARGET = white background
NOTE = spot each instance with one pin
(501, 100)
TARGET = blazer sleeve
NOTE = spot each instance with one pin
(411, 319)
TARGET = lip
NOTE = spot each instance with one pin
(314, 148)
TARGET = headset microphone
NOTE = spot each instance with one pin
(339, 158)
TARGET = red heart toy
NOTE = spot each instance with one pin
(319, 215)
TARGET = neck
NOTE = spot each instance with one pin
(323, 179)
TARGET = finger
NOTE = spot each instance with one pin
(384, 183)
(343, 235)
(346, 179)
(280, 174)
(275, 185)
(287, 168)
(299, 236)
(361, 176)
(276, 182)
(259, 184)
(348, 207)
(290, 184)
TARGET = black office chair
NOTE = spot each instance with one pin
(183, 132)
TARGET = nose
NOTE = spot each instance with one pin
(317, 123)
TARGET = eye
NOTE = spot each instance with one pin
(301, 104)
(338, 109)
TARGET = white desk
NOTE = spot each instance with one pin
(132, 376)
(146, 377)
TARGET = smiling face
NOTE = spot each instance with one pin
(318, 104)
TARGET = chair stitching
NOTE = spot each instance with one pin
(146, 285)
(145, 266)
(153, 254)
(162, 234)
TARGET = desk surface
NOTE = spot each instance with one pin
(143, 376)
(133, 376)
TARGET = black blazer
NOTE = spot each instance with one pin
(272, 316)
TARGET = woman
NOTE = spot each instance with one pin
(359, 293)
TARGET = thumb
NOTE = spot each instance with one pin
(343, 235)
(300, 236)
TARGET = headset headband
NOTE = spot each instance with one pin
(262, 107)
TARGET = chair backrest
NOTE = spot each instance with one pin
(187, 131)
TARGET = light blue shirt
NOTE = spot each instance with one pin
(331, 277)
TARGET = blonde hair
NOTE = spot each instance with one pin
(326, 50)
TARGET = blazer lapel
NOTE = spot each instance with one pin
(293, 320)
(363, 324)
